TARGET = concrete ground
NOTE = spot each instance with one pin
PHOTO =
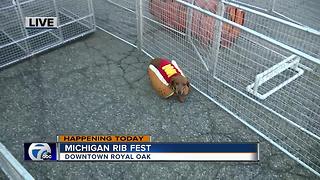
(99, 85)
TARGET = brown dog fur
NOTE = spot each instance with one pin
(178, 83)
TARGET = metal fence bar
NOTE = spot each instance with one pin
(289, 19)
(272, 5)
(58, 20)
(102, 29)
(217, 36)
(7, 7)
(91, 11)
(204, 63)
(250, 6)
(127, 9)
(74, 19)
(11, 167)
(189, 24)
(139, 16)
(25, 38)
(23, 30)
(189, 20)
(25, 2)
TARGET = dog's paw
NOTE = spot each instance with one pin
(181, 98)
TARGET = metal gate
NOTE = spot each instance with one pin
(264, 70)
(75, 19)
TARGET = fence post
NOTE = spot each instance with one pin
(91, 11)
(189, 34)
(272, 5)
(139, 16)
(24, 31)
(56, 9)
(217, 35)
(189, 19)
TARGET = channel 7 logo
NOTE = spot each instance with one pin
(40, 151)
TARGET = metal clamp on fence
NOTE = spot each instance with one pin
(291, 62)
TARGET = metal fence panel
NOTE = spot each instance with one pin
(299, 37)
(75, 19)
(118, 18)
(304, 12)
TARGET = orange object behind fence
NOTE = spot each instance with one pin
(174, 15)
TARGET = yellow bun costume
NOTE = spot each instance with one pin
(160, 77)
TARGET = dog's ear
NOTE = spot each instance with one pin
(188, 83)
(187, 91)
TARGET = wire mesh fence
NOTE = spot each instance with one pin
(300, 37)
(262, 69)
(304, 12)
(75, 19)
(118, 19)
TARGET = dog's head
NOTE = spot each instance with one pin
(180, 85)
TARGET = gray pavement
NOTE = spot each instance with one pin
(98, 85)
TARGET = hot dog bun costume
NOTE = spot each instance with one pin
(160, 76)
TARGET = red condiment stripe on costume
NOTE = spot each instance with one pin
(168, 69)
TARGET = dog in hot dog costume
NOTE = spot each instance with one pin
(167, 79)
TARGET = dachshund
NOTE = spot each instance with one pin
(174, 76)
